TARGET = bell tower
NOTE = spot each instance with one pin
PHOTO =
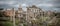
(20, 9)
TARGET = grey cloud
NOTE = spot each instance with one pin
(5, 6)
(15, 3)
(8, 4)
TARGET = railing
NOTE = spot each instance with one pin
(4, 18)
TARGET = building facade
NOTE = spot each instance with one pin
(33, 12)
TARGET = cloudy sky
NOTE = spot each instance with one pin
(44, 4)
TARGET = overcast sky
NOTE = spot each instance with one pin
(44, 4)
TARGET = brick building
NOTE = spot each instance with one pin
(9, 12)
